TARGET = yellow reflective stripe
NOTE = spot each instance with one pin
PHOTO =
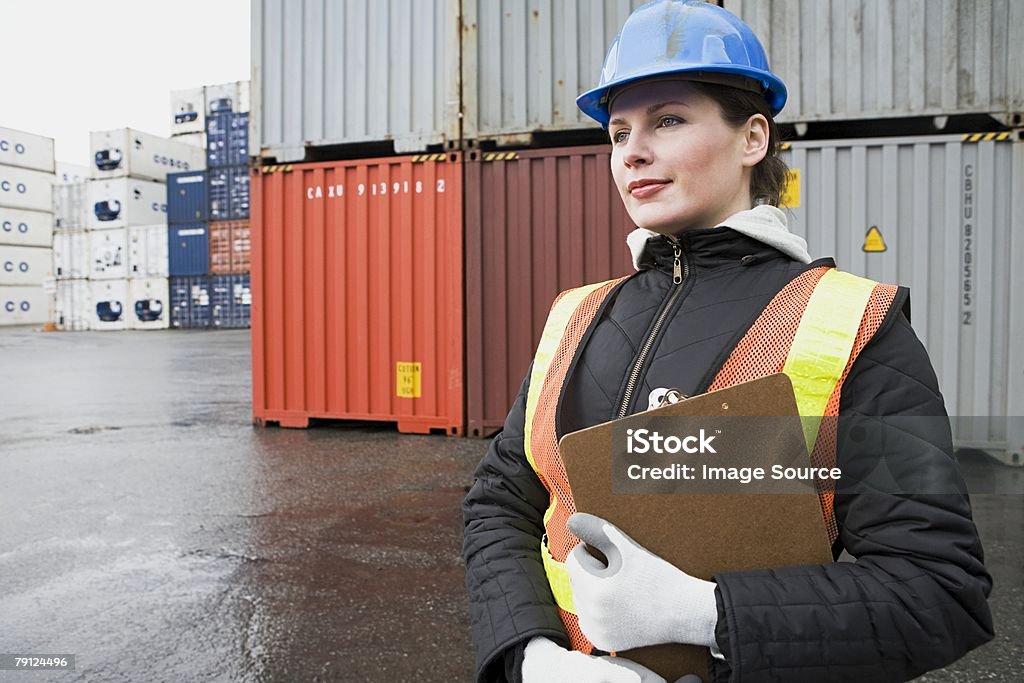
(822, 345)
(555, 326)
(558, 577)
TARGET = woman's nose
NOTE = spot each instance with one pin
(637, 151)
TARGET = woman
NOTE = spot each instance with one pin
(721, 294)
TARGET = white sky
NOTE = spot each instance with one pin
(68, 67)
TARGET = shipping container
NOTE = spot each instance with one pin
(71, 173)
(121, 202)
(24, 305)
(238, 139)
(230, 247)
(941, 215)
(71, 206)
(150, 304)
(188, 111)
(537, 223)
(499, 71)
(217, 140)
(131, 153)
(357, 293)
(147, 251)
(188, 249)
(186, 197)
(190, 302)
(24, 189)
(228, 193)
(227, 97)
(26, 266)
(26, 228)
(193, 139)
(108, 254)
(26, 150)
(845, 59)
(71, 255)
(231, 301)
(73, 309)
(109, 301)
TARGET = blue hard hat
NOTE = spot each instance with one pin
(667, 37)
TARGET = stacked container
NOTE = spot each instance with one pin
(128, 235)
(26, 228)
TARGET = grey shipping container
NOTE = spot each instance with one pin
(944, 216)
(536, 223)
(327, 72)
(857, 59)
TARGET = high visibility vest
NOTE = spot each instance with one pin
(812, 330)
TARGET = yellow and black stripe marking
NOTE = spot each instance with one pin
(277, 168)
(500, 156)
(420, 158)
(985, 137)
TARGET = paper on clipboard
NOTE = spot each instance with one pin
(706, 534)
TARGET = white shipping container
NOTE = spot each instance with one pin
(25, 266)
(126, 152)
(73, 309)
(194, 139)
(26, 150)
(71, 173)
(942, 215)
(108, 254)
(150, 304)
(109, 309)
(848, 59)
(71, 255)
(24, 305)
(24, 189)
(224, 97)
(147, 251)
(188, 111)
(26, 228)
(70, 207)
(121, 202)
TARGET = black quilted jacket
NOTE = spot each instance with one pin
(914, 599)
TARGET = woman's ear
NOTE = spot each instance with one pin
(755, 140)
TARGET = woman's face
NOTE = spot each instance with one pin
(677, 163)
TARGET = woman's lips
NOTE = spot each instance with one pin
(647, 190)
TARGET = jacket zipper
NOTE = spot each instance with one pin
(680, 271)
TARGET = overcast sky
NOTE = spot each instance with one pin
(68, 67)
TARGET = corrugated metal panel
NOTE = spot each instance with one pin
(230, 247)
(326, 72)
(944, 211)
(850, 59)
(188, 249)
(186, 197)
(231, 301)
(537, 222)
(357, 289)
(190, 301)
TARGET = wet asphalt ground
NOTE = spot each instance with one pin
(149, 529)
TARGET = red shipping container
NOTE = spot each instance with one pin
(537, 222)
(230, 247)
(357, 292)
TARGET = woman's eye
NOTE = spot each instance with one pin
(670, 120)
(619, 136)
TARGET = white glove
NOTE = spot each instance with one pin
(545, 661)
(638, 599)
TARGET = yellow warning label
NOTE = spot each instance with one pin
(791, 194)
(408, 380)
(874, 241)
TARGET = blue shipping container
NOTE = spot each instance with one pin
(231, 301)
(238, 194)
(218, 194)
(238, 139)
(186, 197)
(190, 302)
(217, 126)
(188, 249)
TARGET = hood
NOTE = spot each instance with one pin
(764, 223)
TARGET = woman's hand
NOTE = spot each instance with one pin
(637, 599)
(547, 662)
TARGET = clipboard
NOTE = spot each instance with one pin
(706, 534)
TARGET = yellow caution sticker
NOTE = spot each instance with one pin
(873, 241)
(408, 385)
(791, 194)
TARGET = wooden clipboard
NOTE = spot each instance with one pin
(706, 534)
